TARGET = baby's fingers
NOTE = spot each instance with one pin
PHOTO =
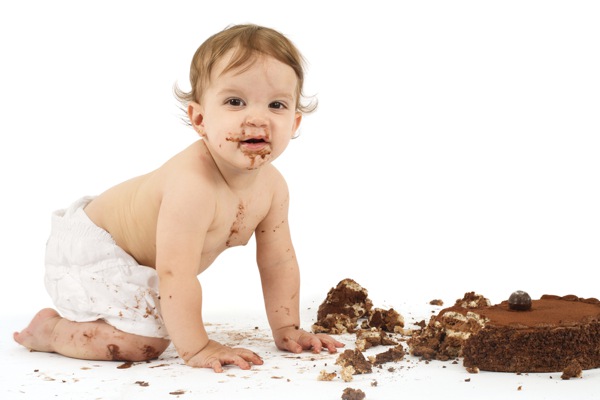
(217, 363)
(306, 341)
(216, 366)
(313, 343)
(292, 346)
(250, 356)
(329, 342)
(317, 342)
(240, 357)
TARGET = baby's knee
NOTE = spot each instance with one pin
(153, 348)
(138, 348)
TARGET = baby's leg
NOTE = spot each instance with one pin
(96, 340)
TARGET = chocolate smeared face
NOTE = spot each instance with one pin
(519, 301)
(253, 146)
(248, 115)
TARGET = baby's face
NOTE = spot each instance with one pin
(249, 114)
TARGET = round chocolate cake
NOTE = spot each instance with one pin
(545, 335)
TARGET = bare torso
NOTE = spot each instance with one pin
(129, 211)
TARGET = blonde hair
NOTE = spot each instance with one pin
(247, 41)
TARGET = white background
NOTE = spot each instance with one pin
(455, 148)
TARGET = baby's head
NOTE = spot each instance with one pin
(248, 42)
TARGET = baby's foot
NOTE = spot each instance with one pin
(38, 334)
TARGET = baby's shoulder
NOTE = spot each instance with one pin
(189, 164)
(273, 183)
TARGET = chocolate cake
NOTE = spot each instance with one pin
(349, 302)
(343, 306)
(520, 335)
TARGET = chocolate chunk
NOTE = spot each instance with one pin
(519, 301)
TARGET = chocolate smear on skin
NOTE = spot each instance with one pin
(262, 153)
(114, 353)
(150, 352)
(237, 224)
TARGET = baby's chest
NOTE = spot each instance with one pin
(236, 227)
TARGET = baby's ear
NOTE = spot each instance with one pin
(196, 115)
(297, 121)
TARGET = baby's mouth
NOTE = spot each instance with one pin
(241, 140)
(258, 146)
(253, 141)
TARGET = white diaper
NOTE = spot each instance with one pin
(89, 277)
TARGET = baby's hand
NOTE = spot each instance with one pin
(215, 356)
(295, 340)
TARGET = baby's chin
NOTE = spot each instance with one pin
(258, 160)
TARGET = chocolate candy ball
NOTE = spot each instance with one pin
(519, 301)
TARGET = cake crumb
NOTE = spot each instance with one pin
(472, 370)
(347, 373)
(394, 354)
(326, 376)
(353, 394)
(125, 365)
(367, 338)
(572, 370)
(436, 302)
(356, 359)
(473, 300)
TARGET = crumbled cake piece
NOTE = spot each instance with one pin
(443, 338)
(348, 299)
(395, 353)
(388, 320)
(347, 373)
(335, 324)
(356, 359)
(572, 370)
(367, 338)
(353, 394)
(436, 302)
(348, 302)
(472, 300)
(326, 376)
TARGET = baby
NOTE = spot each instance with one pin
(122, 267)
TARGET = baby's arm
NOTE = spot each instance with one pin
(280, 279)
(181, 230)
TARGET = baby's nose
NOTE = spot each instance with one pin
(256, 120)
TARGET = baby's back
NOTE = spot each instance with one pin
(129, 211)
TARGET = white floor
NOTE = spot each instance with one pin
(455, 148)
(32, 375)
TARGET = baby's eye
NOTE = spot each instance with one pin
(277, 105)
(235, 102)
